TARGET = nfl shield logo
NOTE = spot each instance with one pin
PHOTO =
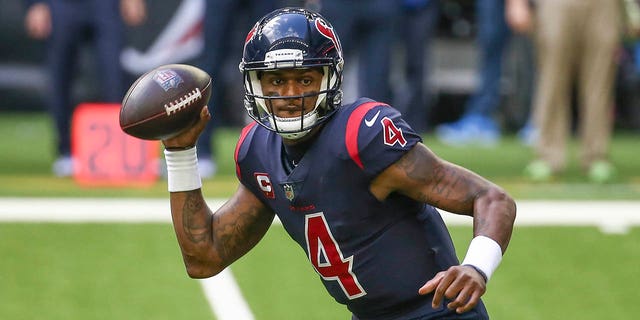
(288, 191)
(167, 79)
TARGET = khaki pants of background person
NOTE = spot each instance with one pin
(576, 41)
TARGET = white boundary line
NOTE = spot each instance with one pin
(609, 216)
(222, 292)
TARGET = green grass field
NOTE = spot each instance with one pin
(27, 154)
(134, 271)
(120, 271)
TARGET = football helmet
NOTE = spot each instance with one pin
(292, 38)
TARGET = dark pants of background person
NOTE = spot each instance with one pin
(75, 23)
(417, 32)
(493, 38)
(224, 43)
(477, 126)
(367, 30)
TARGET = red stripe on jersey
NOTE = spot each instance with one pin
(243, 135)
(353, 126)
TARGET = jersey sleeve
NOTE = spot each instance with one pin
(377, 136)
(242, 146)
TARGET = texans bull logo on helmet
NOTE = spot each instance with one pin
(250, 34)
(327, 31)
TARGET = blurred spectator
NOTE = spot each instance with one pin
(418, 27)
(627, 88)
(223, 43)
(576, 41)
(520, 20)
(477, 125)
(370, 26)
(67, 26)
(628, 71)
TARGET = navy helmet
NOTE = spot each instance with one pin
(292, 38)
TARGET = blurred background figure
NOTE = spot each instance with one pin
(494, 21)
(67, 26)
(576, 43)
(519, 18)
(370, 28)
(225, 25)
(627, 88)
(418, 27)
(477, 124)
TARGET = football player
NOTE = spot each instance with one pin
(353, 185)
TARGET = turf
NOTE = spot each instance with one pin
(567, 273)
(27, 155)
(548, 273)
(92, 271)
(134, 271)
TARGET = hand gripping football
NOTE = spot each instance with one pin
(165, 101)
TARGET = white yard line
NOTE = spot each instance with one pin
(222, 292)
(225, 298)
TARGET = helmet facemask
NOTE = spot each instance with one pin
(260, 106)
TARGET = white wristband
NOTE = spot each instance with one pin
(182, 170)
(485, 254)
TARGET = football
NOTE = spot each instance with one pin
(164, 101)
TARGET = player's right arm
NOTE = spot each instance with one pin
(211, 241)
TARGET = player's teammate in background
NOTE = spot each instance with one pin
(353, 185)
(67, 25)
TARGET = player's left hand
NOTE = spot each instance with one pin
(462, 284)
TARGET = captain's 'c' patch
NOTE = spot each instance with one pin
(264, 183)
(392, 134)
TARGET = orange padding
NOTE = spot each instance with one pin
(104, 155)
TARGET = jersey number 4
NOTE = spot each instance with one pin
(326, 257)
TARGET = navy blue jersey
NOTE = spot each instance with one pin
(372, 256)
